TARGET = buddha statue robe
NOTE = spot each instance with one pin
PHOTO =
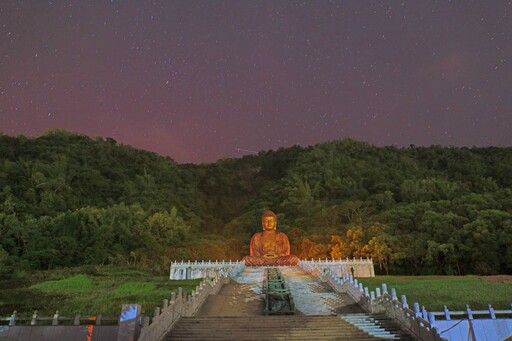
(270, 248)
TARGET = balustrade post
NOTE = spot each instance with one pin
(416, 309)
(12, 320)
(33, 322)
(424, 314)
(468, 311)
(393, 295)
(76, 321)
(433, 328)
(432, 320)
(55, 321)
(446, 313)
(491, 312)
(377, 291)
(384, 288)
(404, 301)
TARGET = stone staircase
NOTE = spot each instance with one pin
(283, 327)
(236, 313)
(378, 325)
(242, 296)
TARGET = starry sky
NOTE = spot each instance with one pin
(203, 80)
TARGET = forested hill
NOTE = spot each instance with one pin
(67, 199)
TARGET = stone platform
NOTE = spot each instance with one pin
(360, 267)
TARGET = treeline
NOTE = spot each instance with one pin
(67, 199)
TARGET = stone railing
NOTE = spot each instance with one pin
(421, 323)
(180, 305)
(192, 270)
(359, 267)
(59, 327)
(58, 319)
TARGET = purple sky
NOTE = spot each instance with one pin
(199, 80)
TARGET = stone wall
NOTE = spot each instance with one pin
(358, 267)
(192, 270)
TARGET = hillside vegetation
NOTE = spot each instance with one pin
(69, 200)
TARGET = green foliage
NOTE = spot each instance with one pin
(68, 200)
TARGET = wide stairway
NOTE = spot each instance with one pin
(236, 313)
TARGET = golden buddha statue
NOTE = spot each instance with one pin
(270, 247)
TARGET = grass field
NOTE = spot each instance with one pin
(87, 290)
(90, 291)
(434, 292)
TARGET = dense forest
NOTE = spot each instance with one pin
(67, 199)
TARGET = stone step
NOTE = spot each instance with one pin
(263, 318)
(272, 334)
(276, 337)
(234, 299)
(208, 330)
(267, 328)
(236, 313)
(377, 324)
(231, 327)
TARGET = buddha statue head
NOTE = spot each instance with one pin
(269, 221)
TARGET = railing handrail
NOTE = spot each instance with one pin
(35, 319)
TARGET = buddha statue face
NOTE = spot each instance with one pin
(269, 223)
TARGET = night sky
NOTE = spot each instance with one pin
(204, 80)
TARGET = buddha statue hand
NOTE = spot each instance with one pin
(270, 255)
